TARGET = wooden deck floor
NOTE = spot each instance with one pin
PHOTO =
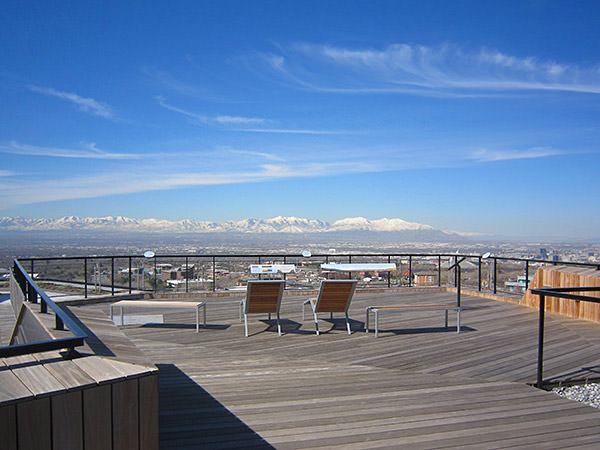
(418, 385)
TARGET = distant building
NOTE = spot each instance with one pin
(425, 278)
(543, 253)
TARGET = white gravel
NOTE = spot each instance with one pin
(586, 393)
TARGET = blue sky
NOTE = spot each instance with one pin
(471, 116)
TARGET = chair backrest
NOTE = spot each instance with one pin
(335, 295)
(264, 296)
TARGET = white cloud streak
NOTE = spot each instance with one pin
(88, 105)
(221, 120)
(89, 152)
(117, 183)
(430, 71)
(485, 155)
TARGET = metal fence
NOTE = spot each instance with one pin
(112, 274)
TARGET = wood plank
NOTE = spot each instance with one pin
(34, 430)
(8, 426)
(67, 421)
(149, 410)
(97, 423)
(125, 409)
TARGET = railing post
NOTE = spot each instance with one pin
(59, 324)
(526, 275)
(214, 262)
(495, 273)
(43, 306)
(410, 274)
(85, 278)
(439, 271)
(31, 294)
(479, 274)
(455, 273)
(540, 361)
(285, 274)
(389, 273)
(32, 270)
(112, 275)
(187, 272)
(349, 262)
(129, 274)
(155, 279)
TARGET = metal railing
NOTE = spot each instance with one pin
(98, 272)
(31, 293)
(566, 293)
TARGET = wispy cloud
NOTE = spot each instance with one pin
(7, 173)
(90, 151)
(221, 119)
(485, 155)
(117, 183)
(292, 131)
(446, 70)
(88, 105)
(267, 156)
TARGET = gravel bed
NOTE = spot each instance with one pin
(586, 393)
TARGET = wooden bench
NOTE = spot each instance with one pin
(160, 304)
(404, 308)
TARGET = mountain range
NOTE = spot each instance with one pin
(263, 226)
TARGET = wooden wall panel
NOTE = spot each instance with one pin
(34, 425)
(97, 424)
(565, 276)
(8, 427)
(67, 421)
(125, 407)
(149, 412)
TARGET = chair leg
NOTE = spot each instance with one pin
(316, 323)
(241, 305)
(348, 324)
(278, 324)
(246, 325)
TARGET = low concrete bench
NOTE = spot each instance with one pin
(160, 304)
(404, 308)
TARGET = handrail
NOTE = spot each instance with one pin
(564, 292)
(31, 291)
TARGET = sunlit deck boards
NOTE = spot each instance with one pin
(417, 386)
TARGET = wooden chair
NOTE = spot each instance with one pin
(334, 296)
(262, 297)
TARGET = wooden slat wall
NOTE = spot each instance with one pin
(121, 415)
(565, 276)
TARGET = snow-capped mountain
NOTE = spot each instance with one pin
(274, 225)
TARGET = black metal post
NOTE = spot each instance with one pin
(495, 273)
(350, 262)
(260, 274)
(112, 276)
(155, 279)
(389, 275)
(130, 274)
(455, 273)
(458, 286)
(43, 306)
(540, 362)
(31, 294)
(439, 270)
(32, 269)
(187, 268)
(214, 274)
(526, 275)
(85, 279)
(479, 274)
(285, 274)
(59, 324)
